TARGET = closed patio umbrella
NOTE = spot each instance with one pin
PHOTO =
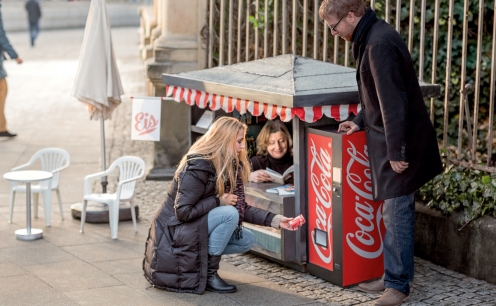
(98, 84)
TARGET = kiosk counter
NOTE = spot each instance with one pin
(342, 239)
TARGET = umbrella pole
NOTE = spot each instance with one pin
(104, 164)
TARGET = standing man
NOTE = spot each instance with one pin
(34, 15)
(4, 47)
(401, 140)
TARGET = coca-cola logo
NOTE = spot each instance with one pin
(321, 184)
(368, 221)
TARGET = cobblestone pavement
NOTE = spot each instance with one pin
(433, 285)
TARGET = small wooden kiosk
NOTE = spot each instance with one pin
(310, 95)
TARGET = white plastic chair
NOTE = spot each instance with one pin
(131, 168)
(52, 160)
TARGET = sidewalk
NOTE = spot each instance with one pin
(67, 14)
(70, 268)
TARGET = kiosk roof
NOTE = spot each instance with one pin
(287, 80)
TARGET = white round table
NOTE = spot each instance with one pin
(28, 176)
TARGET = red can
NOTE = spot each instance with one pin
(297, 222)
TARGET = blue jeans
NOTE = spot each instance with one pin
(399, 219)
(34, 29)
(222, 221)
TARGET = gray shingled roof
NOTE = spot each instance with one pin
(286, 80)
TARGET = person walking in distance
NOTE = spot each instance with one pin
(7, 48)
(34, 15)
(401, 140)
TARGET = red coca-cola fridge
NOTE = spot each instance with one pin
(345, 226)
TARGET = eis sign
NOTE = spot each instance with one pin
(145, 118)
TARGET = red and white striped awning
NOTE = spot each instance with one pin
(228, 104)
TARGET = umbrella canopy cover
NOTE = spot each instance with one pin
(98, 84)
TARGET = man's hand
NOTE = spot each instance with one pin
(18, 60)
(349, 127)
(398, 166)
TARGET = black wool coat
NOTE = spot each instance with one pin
(393, 113)
(176, 251)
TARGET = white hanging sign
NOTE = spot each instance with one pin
(145, 119)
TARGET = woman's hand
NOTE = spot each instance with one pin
(228, 199)
(285, 224)
(259, 176)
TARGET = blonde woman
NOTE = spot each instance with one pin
(274, 151)
(201, 217)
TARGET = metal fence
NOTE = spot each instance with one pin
(452, 43)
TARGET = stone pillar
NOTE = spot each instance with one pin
(178, 49)
(155, 33)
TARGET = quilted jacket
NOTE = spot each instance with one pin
(176, 251)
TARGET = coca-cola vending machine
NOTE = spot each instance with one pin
(345, 226)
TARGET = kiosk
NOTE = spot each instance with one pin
(312, 96)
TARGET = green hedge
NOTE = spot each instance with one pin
(460, 189)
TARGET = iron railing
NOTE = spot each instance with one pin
(455, 49)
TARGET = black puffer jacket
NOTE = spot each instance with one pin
(176, 252)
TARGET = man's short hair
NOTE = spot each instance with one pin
(340, 8)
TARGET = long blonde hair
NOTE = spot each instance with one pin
(218, 146)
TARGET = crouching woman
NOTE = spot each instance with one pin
(202, 216)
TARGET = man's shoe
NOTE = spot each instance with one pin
(376, 286)
(391, 297)
(7, 134)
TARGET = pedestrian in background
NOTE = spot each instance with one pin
(201, 218)
(7, 48)
(401, 140)
(34, 15)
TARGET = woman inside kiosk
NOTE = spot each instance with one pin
(274, 151)
(201, 218)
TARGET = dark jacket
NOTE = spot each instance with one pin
(34, 10)
(393, 112)
(262, 162)
(176, 252)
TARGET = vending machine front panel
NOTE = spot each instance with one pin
(345, 227)
(363, 227)
(319, 186)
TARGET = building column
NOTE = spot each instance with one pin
(148, 24)
(178, 49)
